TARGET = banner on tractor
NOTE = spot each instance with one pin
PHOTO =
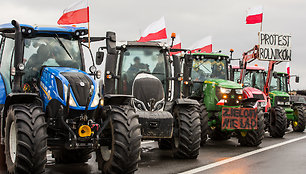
(274, 47)
(239, 118)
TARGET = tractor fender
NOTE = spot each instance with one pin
(16, 98)
(186, 101)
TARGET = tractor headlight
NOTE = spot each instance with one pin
(225, 90)
(239, 91)
(159, 105)
(95, 101)
(280, 103)
(71, 100)
(139, 105)
(263, 104)
(287, 103)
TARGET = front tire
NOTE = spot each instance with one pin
(253, 138)
(278, 122)
(187, 141)
(122, 154)
(298, 125)
(25, 139)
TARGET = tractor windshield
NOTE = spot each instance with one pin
(141, 59)
(253, 78)
(279, 83)
(208, 68)
(50, 51)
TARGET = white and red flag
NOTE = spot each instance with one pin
(75, 14)
(177, 44)
(288, 69)
(254, 15)
(202, 46)
(155, 31)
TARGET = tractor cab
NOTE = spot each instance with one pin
(254, 76)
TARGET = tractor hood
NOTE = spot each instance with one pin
(56, 81)
(279, 93)
(224, 83)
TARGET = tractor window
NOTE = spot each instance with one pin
(254, 79)
(50, 51)
(208, 68)
(279, 83)
(141, 59)
(7, 55)
(236, 75)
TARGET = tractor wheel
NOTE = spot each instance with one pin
(278, 122)
(298, 125)
(217, 135)
(122, 154)
(25, 139)
(165, 144)
(65, 156)
(253, 138)
(204, 124)
(186, 143)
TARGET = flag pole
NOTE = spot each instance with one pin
(88, 36)
(88, 25)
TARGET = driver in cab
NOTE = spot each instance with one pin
(137, 67)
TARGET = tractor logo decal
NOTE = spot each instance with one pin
(44, 88)
(82, 84)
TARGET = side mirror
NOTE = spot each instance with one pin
(99, 57)
(297, 79)
(111, 42)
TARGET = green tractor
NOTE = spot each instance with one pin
(279, 89)
(223, 110)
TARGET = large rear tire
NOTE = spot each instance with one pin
(65, 156)
(204, 124)
(187, 141)
(299, 124)
(122, 154)
(25, 139)
(253, 138)
(278, 122)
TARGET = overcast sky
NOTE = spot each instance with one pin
(224, 20)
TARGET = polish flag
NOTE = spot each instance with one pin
(254, 15)
(75, 14)
(155, 31)
(202, 46)
(288, 69)
(177, 44)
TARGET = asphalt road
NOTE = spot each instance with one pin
(281, 156)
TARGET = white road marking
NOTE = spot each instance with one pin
(244, 155)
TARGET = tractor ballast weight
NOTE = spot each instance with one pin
(142, 70)
(206, 80)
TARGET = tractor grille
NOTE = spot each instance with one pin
(80, 85)
(232, 97)
(259, 96)
(281, 99)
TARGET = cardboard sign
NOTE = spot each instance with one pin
(273, 46)
(239, 118)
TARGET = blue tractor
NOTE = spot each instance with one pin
(49, 102)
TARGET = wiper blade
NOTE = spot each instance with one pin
(63, 46)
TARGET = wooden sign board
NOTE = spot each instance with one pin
(274, 47)
(239, 118)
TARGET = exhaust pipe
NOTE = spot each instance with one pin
(18, 57)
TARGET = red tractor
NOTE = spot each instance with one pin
(257, 87)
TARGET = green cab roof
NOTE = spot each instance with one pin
(210, 55)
